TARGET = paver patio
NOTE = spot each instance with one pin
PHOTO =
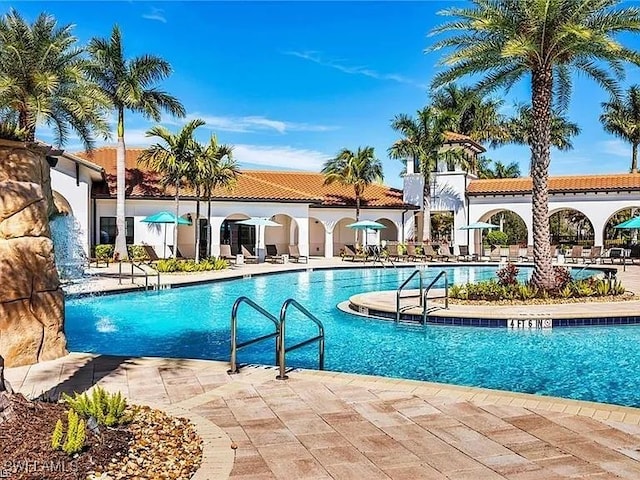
(343, 426)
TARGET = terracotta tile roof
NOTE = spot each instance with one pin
(560, 184)
(251, 185)
(453, 137)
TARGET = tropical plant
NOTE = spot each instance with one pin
(215, 168)
(518, 128)
(422, 141)
(43, 79)
(104, 251)
(621, 117)
(475, 115)
(129, 84)
(106, 408)
(357, 169)
(73, 442)
(173, 158)
(508, 275)
(502, 42)
(496, 237)
(497, 170)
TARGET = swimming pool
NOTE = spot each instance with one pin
(599, 364)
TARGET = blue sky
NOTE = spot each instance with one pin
(291, 83)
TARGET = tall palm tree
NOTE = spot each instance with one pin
(621, 117)
(504, 41)
(357, 169)
(519, 127)
(43, 78)
(475, 116)
(173, 159)
(129, 84)
(422, 140)
(216, 168)
(498, 170)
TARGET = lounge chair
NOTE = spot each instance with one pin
(178, 252)
(272, 254)
(463, 254)
(430, 253)
(248, 256)
(496, 255)
(225, 253)
(594, 255)
(412, 253)
(526, 254)
(575, 254)
(151, 255)
(350, 252)
(514, 253)
(446, 255)
(615, 255)
(294, 254)
(393, 251)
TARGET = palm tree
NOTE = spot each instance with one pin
(503, 42)
(499, 169)
(42, 78)
(518, 129)
(621, 117)
(216, 168)
(129, 84)
(422, 140)
(357, 169)
(475, 115)
(173, 159)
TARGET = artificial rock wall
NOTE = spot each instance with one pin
(31, 300)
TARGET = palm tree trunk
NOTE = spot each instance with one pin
(197, 225)
(542, 89)
(175, 225)
(634, 158)
(121, 238)
(426, 208)
(358, 215)
(209, 224)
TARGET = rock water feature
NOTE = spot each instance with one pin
(69, 255)
(31, 300)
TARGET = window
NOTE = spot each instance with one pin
(108, 230)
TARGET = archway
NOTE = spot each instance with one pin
(343, 236)
(390, 233)
(236, 235)
(62, 204)
(568, 226)
(283, 236)
(509, 223)
(616, 237)
(316, 237)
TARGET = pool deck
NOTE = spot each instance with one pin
(343, 426)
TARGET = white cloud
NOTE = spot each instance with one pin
(156, 14)
(616, 147)
(249, 124)
(355, 70)
(279, 156)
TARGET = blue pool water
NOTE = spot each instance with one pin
(599, 364)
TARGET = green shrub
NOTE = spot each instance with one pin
(208, 264)
(76, 434)
(138, 253)
(496, 237)
(107, 408)
(508, 275)
(104, 251)
(402, 249)
(527, 291)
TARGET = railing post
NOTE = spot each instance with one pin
(132, 277)
(446, 290)
(421, 286)
(281, 360)
(234, 341)
(119, 273)
(321, 352)
(397, 306)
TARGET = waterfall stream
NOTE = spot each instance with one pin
(69, 254)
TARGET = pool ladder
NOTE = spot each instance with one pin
(422, 295)
(281, 348)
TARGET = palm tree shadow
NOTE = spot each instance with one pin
(90, 373)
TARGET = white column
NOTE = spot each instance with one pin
(303, 235)
(292, 232)
(329, 225)
(216, 223)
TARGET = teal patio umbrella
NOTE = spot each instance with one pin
(477, 226)
(366, 225)
(631, 224)
(165, 217)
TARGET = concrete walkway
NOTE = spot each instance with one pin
(342, 426)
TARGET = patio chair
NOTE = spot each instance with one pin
(351, 252)
(575, 254)
(594, 255)
(272, 254)
(614, 255)
(150, 254)
(446, 255)
(526, 254)
(294, 254)
(248, 256)
(514, 253)
(412, 253)
(430, 253)
(463, 254)
(225, 253)
(393, 251)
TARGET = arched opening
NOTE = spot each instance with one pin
(236, 235)
(442, 227)
(342, 235)
(62, 204)
(316, 237)
(283, 236)
(621, 237)
(390, 233)
(511, 225)
(569, 227)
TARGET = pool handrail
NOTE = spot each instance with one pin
(417, 271)
(318, 338)
(426, 293)
(235, 346)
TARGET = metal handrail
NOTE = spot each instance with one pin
(401, 287)
(426, 293)
(235, 346)
(318, 338)
(133, 275)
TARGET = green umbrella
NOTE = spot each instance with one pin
(165, 217)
